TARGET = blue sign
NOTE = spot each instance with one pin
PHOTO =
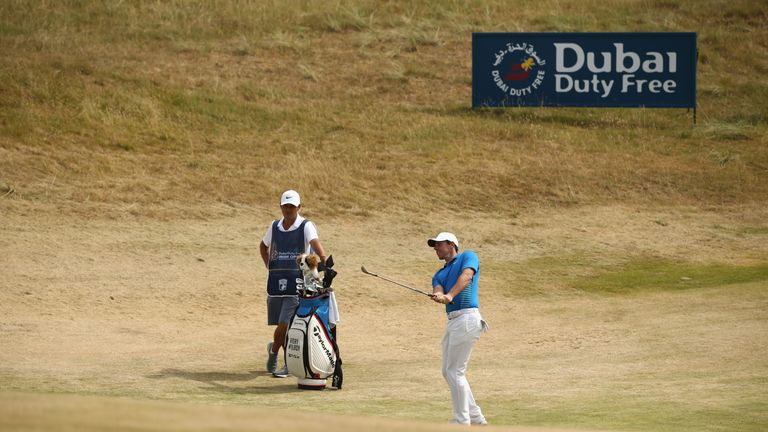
(584, 69)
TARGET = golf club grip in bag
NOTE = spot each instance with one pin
(311, 353)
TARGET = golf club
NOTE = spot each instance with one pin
(365, 270)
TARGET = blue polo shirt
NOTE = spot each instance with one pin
(449, 274)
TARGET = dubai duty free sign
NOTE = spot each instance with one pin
(584, 69)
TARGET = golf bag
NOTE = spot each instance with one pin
(311, 351)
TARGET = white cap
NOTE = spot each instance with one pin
(444, 236)
(290, 197)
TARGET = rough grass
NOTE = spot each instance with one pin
(249, 98)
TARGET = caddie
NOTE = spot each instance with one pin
(455, 286)
(284, 240)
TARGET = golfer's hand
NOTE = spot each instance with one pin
(442, 298)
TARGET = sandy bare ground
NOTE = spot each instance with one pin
(174, 311)
(23, 411)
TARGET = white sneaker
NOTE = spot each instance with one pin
(478, 420)
(271, 359)
(281, 373)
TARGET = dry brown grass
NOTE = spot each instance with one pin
(136, 138)
(22, 411)
(157, 106)
(173, 310)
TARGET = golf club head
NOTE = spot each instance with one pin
(365, 270)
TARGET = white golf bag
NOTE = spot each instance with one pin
(311, 353)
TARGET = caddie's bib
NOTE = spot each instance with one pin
(283, 269)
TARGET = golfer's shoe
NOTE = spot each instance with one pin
(282, 373)
(271, 359)
(454, 421)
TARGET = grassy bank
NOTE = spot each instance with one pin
(150, 107)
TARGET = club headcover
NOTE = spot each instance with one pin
(328, 277)
(328, 272)
(327, 264)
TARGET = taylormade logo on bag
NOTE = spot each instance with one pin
(571, 58)
(321, 341)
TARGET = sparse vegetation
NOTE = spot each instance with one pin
(261, 84)
(143, 146)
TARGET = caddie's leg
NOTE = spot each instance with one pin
(273, 313)
(288, 308)
(279, 337)
(461, 334)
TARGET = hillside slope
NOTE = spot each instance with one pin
(179, 108)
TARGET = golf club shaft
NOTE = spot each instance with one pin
(365, 270)
(405, 286)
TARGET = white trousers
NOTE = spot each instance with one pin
(461, 334)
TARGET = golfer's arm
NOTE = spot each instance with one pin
(264, 249)
(464, 280)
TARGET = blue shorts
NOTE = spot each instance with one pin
(280, 310)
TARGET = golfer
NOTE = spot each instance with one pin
(284, 240)
(455, 286)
